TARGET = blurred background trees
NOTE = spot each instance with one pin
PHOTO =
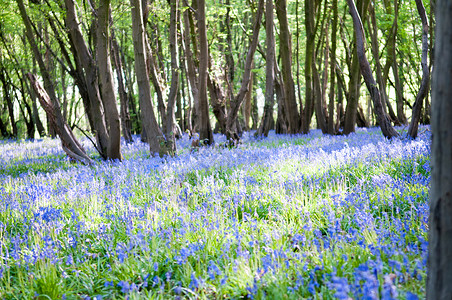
(160, 68)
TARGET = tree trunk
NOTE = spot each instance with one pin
(9, 102)
(170, 126)
(192, 76)
(68, 141)
(83, 56)
(286, 67)
(399, 87)
(331, 129)
(29, 122)
(106, 81)
(156, 78)
(248, 100)
(149, 121)
(267, 117)
(3, 130)
(309, 7)
(218, 102)
(373, 30)
(236, 102)
(36, 117)
(439, 264)
(254, 108)
(353, 95)
(385, 125)
(281, 126)
(318, 99)
(48, 98)
(423, 90)
(205, 130)
(126, 125)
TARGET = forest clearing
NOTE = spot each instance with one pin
(286, 217)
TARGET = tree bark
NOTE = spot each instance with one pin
(126, 125)
(83, 56)
(106, 81)
(48, 100)
(9, 102)
(254, 108)
(205, 129)
(309, 7)
(236, 102)
(353, 95)
(439, 263)
(399, 91)
(286, 67)
(192, 77)
(248, 99)
(218, 102)
(68, 141)
(3, 130)
(423, 90)
(149, 121)
(331, 129)
(318, 99)
(373, 30)
(385, 125)
(267, 117)
(170, 126)
(282, 124)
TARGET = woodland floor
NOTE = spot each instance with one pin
(285, 217)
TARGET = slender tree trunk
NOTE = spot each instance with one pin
(48, 98)
(286, 67)
(318, 103)
(9, 102)
(391, 62)
(439, 263)
(425, 116)
(423, 90)
(331, 129)
(157, 80)
(192, 76)
(385, 125)
(170, 126)
(218, 102)
(353, 95)
(28, 121)
(297, 54)
(3, 130)
(281, 126)
(205, 130)
(68, 141)
(106, 81)
(373, 30)
(248, 99)
(309, 7)
(83, 56)
(181, 96)
(395, 68)
(149, 121)
(267, 117)
(231, 132)
(126, 125)
(36, 117)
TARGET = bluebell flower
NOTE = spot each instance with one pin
(411, 296)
